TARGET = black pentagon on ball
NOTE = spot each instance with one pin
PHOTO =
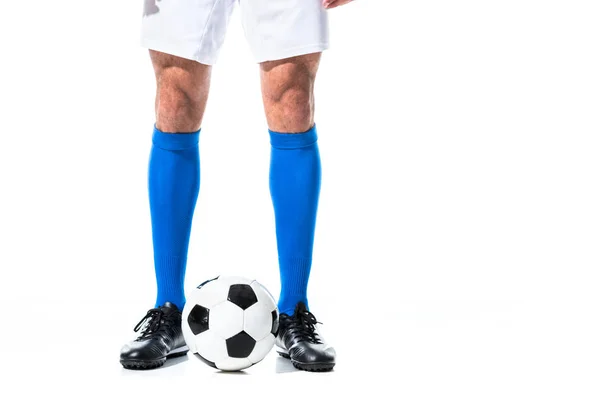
(274, 322)
(198, 319)
(242, 295)
(240, 345)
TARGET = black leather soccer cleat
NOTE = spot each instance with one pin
(299, 341)
(160, 338)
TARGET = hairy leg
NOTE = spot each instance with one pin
(174, 169)
(295, 172)
(181, 92)
(287, 89)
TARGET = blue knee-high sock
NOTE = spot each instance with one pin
(295, 183)
(173, 184)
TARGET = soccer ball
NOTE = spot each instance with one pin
(230, 322)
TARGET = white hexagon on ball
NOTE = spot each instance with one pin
(226, 320)
(258, 320)
(190, 338)
(209, 294)
(263, 295)
(261, 349)
(210, 346)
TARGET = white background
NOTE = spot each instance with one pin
(457, 248)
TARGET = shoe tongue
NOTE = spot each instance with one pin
(300, 307)
(168, 306)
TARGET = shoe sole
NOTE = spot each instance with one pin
(312, 367)
(152, 364)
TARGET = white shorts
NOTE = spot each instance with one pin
(195, 29)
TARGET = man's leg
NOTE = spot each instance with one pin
(174, 168)
(295, 182)
(173, 183)
(295, 174)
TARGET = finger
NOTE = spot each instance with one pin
(328, 4)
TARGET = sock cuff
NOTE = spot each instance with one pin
(281, 140)
(175, 141)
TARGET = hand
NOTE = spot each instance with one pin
(334, 3)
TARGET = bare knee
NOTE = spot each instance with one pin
(288, 93)
(181, 92)
(176, 111)
(290, 110)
